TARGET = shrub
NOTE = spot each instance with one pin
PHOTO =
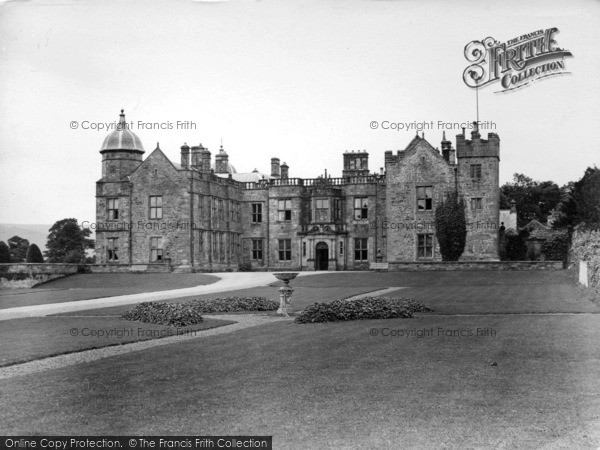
(245, 266)
(34, 254)
(360, 309)
(451, 227)
(188, 313)
(74, 257)
(4, 253)
(557, 247)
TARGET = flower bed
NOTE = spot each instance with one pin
(188, 313)
(235, 304)
(360, 309)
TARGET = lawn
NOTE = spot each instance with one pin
(33, 338)
(492, 366)
(89, 286)
(333, 385)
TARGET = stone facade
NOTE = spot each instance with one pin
(191, 217)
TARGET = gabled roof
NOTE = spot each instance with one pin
(157, 153)
(420, 142)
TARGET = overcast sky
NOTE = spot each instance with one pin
(300, 80)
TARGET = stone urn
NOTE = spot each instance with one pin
(285, 292)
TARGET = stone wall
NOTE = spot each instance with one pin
(411, 266)
(38, 268)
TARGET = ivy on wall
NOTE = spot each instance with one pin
(585, 246)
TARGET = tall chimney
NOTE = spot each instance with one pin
(447, 149)
(205, 155)
(196, 159)
(275, 167)
(285, 171)
(185, 156)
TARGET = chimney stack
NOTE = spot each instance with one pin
(285, 171)
(185, 156)
(275, 168)
(196, 159)
(447, 151)
(205, 155)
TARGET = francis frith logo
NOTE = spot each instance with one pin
(515, 63)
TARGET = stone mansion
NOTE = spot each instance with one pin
(202, 215)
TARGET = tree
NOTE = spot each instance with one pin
(451, 227)
(4, 253)
(580, 201)
(18, 248)
(67, 238)
(534, 199)
(34, 255)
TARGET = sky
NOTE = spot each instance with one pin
(299, 80)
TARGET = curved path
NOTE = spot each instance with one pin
(229, 281)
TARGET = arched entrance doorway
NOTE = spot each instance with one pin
(321, 256)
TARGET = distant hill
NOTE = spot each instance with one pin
(35, 234)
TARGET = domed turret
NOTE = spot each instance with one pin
(121, 151)
(122, 138)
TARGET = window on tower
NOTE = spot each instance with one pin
(476, 203)
(112, 205)
(476, 171)
(112, 248)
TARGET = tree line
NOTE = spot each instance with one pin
(67, 243)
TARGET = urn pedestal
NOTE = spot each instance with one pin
(285, 292)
